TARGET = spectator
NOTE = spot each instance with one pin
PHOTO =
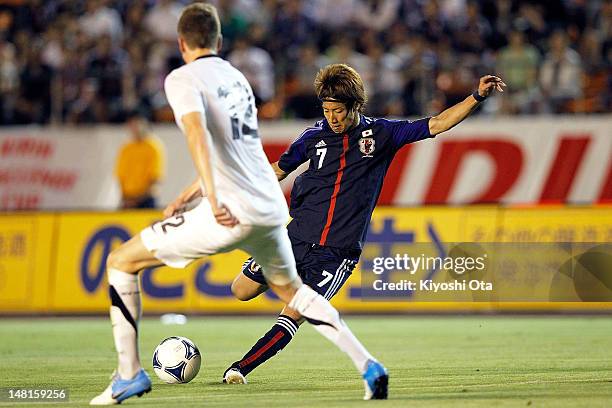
(419, 76)
(387, 83)
(376, 15)
(34, 102)
(343, 51)
(331, 15)
(106, 64)
(234, 21)
(456, 83)
(603, 20)
(291, 29)
(53, 53)
(135, 27)
(501, 22)
(530, 20)
(433, 25)
(161, 20)
(473, 31)
(591, 51)
(303, 102)
(561, 74)
(135, 79)
(596, 73)
(257, 66)
(140, 165)
(398, 42)
(9, 81)
(85, 108)
(6, 25)
(452, 9)
(70, 77)
(518, 65)
(100, 20)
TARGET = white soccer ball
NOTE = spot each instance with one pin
(176, 360)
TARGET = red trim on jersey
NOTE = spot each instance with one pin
(332, 203)
(262, 350)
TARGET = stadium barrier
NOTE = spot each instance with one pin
(523, 160)
(53, 263)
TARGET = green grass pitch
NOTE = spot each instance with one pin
(476, 361)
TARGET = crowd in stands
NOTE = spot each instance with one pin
(77, 61)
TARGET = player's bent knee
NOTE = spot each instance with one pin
(239, 292)
(113, 260)
(244, 291)
(117, 260)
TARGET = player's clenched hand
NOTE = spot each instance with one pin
(488, 83)
(224, 216)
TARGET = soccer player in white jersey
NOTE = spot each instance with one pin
(242, 207)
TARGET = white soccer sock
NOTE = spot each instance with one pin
(326, 320)
(125, 312)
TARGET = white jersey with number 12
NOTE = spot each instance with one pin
(244, 180)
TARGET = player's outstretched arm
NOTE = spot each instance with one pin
(455, 114)
(198, 140)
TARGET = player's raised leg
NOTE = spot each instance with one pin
(326, 320)
(275, 256)
(123, 265)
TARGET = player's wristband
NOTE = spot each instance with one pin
(477, 96)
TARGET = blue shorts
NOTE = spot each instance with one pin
(323, 268)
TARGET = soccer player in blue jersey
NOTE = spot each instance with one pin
(332, 202)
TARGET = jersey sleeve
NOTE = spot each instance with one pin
(295, 154)
(407, 131)
(182, 96)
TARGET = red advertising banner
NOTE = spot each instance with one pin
(527, 160)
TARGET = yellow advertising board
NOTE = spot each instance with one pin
(26, 256)
(86, 239)
(556, 224)
(55, 263)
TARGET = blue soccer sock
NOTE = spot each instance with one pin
(268, 345)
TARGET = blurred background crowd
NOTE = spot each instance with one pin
(77, 61)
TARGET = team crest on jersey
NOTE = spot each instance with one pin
(366, 143)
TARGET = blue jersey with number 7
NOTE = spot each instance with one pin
(333, 200)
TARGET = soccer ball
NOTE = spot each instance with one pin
(176, 360)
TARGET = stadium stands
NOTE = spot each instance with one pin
(75, 61)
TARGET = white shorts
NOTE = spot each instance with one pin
(179, 240)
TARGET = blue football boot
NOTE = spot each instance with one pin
(120, 389)
(376, 381)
